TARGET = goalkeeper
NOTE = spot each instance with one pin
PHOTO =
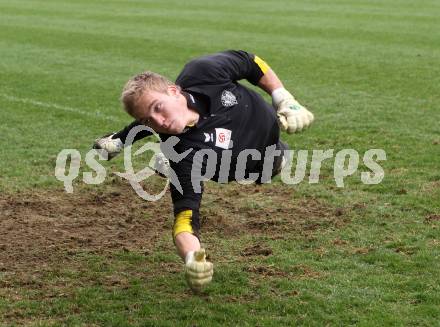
(206, 108)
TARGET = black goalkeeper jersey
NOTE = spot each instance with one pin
(233, 119)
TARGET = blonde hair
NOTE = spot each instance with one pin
(136, 86)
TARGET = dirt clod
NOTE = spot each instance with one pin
(256, 250)
(432, 218)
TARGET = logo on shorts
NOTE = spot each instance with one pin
(223, 138)
(228, 99)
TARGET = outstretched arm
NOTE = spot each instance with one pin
(186, 226)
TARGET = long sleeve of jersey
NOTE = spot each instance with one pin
(192, 187)
(123, 133)
(223, 67)
(190, 198)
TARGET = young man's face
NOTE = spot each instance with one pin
(166, 113)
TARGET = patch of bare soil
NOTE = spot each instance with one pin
(44, 229)
(297, 272)
(272, 210)
(432, 218)
(257, 249)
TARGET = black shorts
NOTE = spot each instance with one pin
(277, 164)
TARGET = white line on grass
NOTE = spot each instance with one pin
(94, 114)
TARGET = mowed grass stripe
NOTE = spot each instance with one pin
(320, 47)
(366, 28)
(293, 16)
(425, 9)
(349, 55)
(302, 40)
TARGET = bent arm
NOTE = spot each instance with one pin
(223, 67)
(231, 65)
(186, 209)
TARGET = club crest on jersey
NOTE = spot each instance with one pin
(228, 99)
(223, 138)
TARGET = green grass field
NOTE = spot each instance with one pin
(306, 254)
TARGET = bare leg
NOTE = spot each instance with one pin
(186, 242)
